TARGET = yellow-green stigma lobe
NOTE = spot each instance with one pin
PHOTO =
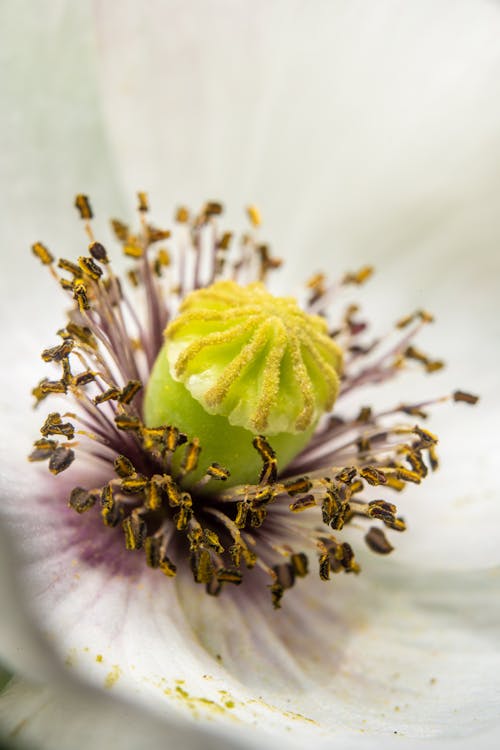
(238, 362)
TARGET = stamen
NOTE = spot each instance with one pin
(175, 501)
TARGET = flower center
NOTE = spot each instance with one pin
(223, 464)
(239, 362)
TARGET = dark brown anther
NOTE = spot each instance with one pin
(135, 530)
(365, 414)
(52, 386)
(377, 541)
(358, 277)
(241, 514)
(90, 268)
(157, 235)
(277, 592)
(300, 564)
(124, 467)
(153, 499)
(363, 445)
(111, 510)
(111, 394)
(426, 438)
(212, 208)
(152, 548)
(67, 265)
(466, 398)
(54, 425)
(334, 510)
(142, 202)
(127, 394)
(372, 475)
(172, 491)
(346, 558)
(262, 496)
(82, 203)
(324, 566)
(43, 450)
(82, 500)
(173, 438)
(297, 486)
(433, 457)
(61, 459)
(98, 252)
(211, 539)
(191, 456)
(84, 378)
(216, 471)
(347, 475)
(80, 295)
(257, 517)
(133, 485)
(67, 375)
(224, 241)
(156, 557)
(303, 503)
(229, 575)
(58, 353)
(269, 472)
(408, 476)
(42, 253)
(285, 575)
(127, 423)
(430, 365)
(83, 334)
(38, 392)
(203, 568)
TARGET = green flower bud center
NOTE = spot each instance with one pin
(237, 362)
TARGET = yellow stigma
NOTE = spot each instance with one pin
(258, 360)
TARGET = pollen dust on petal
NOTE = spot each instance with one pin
(112, 676)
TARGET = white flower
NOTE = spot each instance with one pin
(365, 134)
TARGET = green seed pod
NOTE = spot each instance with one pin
(238, 362)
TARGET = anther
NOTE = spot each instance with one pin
(467, 398)
(57, 353)
(43, 450)
(135, 529)
(54, 425)
(82, 203)
(98, 252)
(111, 394)
(82, 500)
(142, 200)
(80, 295)
(42, 253)
(254, 216)
(128, 393)
(124, 466)
(377, 541)
(90, 268)
(61, 459)
(269, 472)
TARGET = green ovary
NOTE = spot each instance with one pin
(168, 402)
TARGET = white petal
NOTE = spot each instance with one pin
(69, 715)
(374, 654)
(357, 130)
